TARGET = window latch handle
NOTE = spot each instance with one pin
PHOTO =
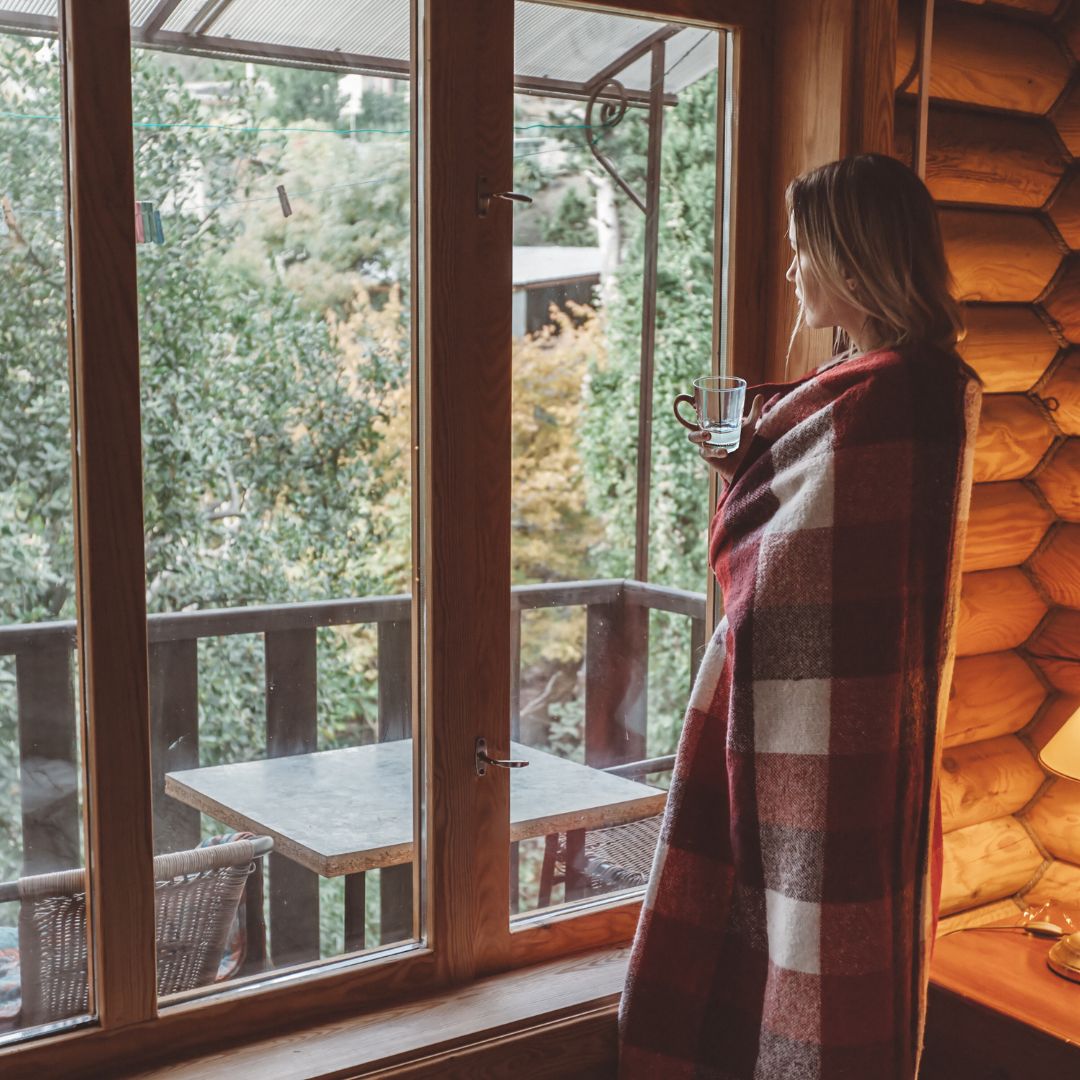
(484, 197)
(484, 759)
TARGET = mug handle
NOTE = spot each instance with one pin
(682, 419)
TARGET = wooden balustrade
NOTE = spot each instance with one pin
(616, 651)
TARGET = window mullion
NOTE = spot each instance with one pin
(104, 352)
(467, 101)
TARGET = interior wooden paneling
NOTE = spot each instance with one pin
(982, 59)
(998, 610)
(1059, 481)
(986, 780)
(1055, 818)
(993, 694)
(1008, 345)
(1013, 436)
(983, 158)
(999, 257)
(1061, 393)
(1006, 524)
(985, 862)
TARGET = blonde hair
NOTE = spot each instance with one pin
(869, 230)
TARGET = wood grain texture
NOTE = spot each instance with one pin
(1059, 636)
(1059, 480)
(984, 59)
(870, 127)
(999, 257)
(994, 694)
(1035, 7)
(111, 578)
(1057, 565)
(1069, 29)
(1064, 209)
(1012, 438)
(998, 610)
(1008, 345)
(999, 911)
(1060, 882)
(1055, 818)
(996, 1012)
(1006, 524)
(746, 340)
(986, 780)
(1066, 118)
(1062, 302)
(578, 1048)
(980, 157)
(467, 60)
(538, 938)
(985, 862)
(811, 89)
(1049, 723)
(1061, 393)
(499, 1007)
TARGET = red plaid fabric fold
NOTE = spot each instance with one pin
(787, 926)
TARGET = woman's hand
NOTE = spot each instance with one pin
(720, 460)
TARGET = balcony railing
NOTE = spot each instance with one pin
(615, 658)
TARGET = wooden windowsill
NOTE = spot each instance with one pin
(501, 1006)
(997, 977)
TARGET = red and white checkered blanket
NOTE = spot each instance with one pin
(789, 918)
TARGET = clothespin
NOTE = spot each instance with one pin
(148, 222)
(283, 198)
(140, 236)
(159, 233)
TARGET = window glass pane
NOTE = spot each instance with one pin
(274, 223)
(43, 971)
(605, 626)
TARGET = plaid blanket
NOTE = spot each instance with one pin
(786, 931)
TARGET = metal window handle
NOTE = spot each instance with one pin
(484, 197)
(483, 760)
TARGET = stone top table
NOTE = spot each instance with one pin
(345, 811)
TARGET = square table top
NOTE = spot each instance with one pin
(345, 811)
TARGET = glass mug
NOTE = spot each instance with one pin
(718, 401)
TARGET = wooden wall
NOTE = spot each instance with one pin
(1004, 164)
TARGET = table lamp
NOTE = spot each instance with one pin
(1061, 755)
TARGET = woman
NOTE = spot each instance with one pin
(787, 927)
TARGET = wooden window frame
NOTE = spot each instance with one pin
(461, 416)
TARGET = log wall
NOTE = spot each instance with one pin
(1003, 163)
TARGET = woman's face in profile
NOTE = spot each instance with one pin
(820, 307)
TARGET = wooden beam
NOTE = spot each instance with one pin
(812, 63)
(467, 128)
(104, 350)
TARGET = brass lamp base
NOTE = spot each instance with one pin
(1064, 958)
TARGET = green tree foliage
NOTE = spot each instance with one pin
(571, 225)
(303, 94)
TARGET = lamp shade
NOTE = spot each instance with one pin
(1061, 754)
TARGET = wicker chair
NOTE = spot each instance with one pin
(197, 892)
(618, 857)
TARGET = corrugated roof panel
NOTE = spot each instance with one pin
(183, 14)
(563, 44)
(369, 27)
(569, 44)
(42, 8)
(141, 9)
(688, 56)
